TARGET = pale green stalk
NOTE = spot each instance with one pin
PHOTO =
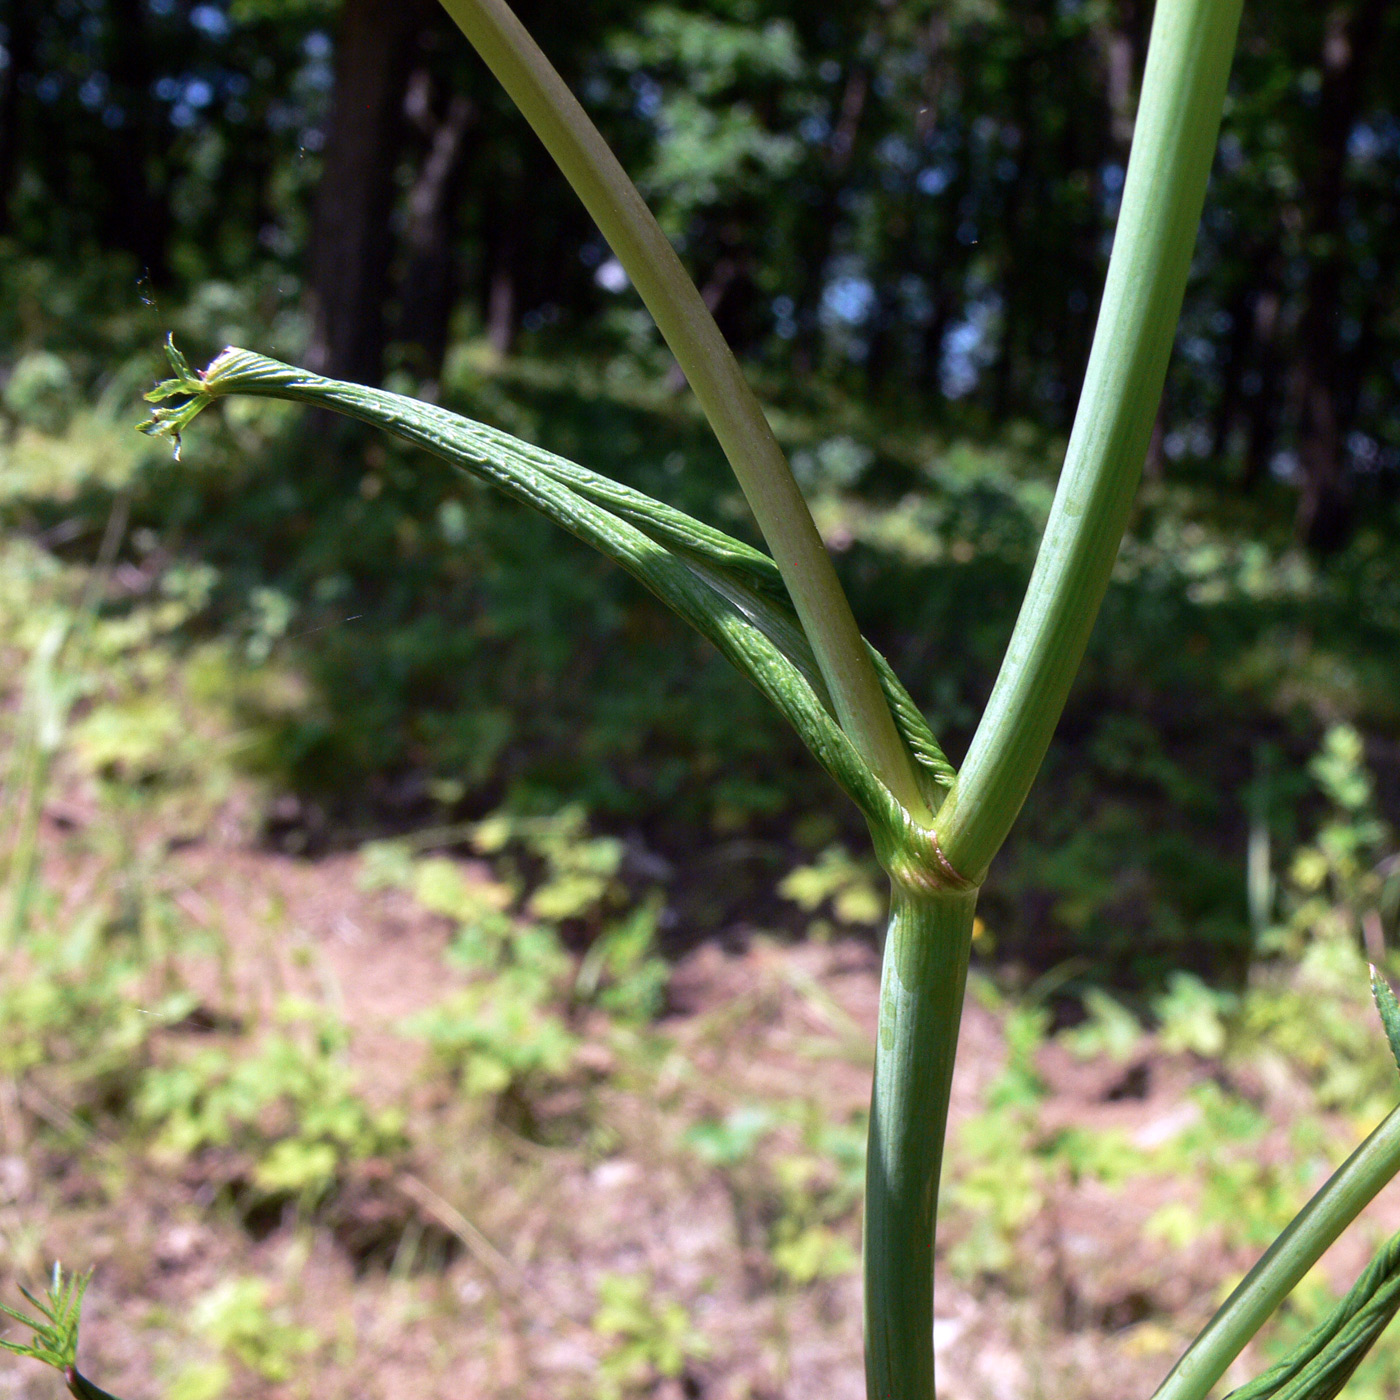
(714, 374)
(1316, 1227)
(921, 995)
(1183, 90)
(1173, 145)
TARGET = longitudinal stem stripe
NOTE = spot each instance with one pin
(1178, 121)
(730, 405)
(921, 996)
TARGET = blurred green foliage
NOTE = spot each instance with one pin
(394, 648)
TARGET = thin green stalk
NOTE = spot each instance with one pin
(1178, 120)
(714, 374)
(921, 996)
(1347, 1192)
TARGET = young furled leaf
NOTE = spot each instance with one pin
(55, 1339)
(1324, 1361)
(730, 592)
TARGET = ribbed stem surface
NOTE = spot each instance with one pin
(921, 996)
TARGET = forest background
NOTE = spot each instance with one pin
(367, 697)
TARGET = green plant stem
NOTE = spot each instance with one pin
(921, 996)
(1178, 121)
(83, 1389)
(1346, 1193)
(714, 374)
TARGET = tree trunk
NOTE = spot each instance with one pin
(351, 241)
(139, 219)
(22, 39)
(1261, 401)
(428, 290)
(500, 305)
(1351, 34)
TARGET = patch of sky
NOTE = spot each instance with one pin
(1364, 451)
(985, 130)
(1198, 350)
(647, 95)
(317, 73)
(897, 153)
(934, 179)
(1230, 152)
(1191, 440)
(969, 346)
(784, 317)
(210, 20)
(849, 299)
(1110, 189)
(914, 299)
(611, 276)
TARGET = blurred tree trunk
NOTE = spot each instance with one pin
(1262, 396)
(351, 241)
(428, 291)
(1350, 35)
(21, 40)
(502, 315)
(1231, 375)
(139, 217)
(826, 219)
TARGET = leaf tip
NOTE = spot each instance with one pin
(1389, 1009)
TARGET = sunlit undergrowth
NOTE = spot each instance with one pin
(135, 1057)
(412, 651)
(313, 672)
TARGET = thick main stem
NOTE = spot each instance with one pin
(921, 997)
